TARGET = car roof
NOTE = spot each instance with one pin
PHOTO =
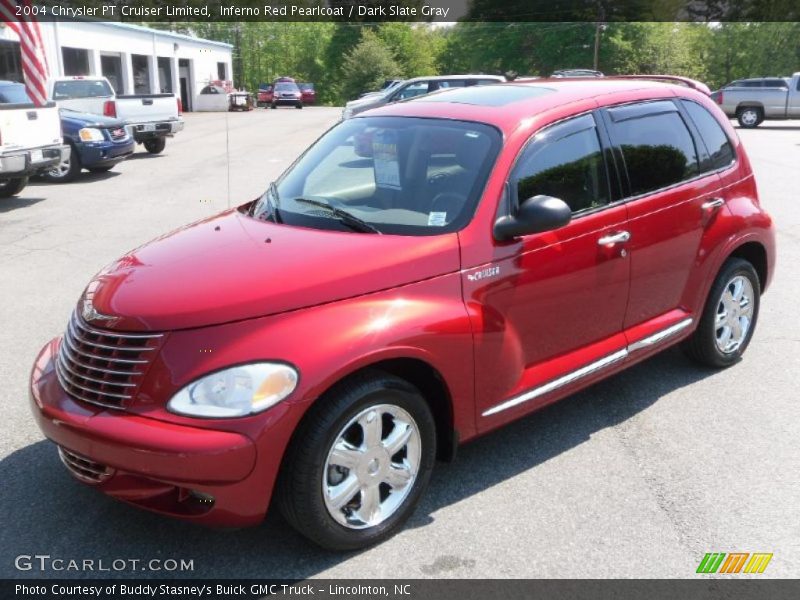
(507, 105)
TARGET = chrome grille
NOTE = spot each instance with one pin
(104, 367)
(83, 468)
(118, 134)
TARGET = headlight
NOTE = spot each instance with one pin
(90, 134)
(236, 392)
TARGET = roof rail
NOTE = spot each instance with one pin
(688, 82)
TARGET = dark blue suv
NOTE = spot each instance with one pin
(98, 143)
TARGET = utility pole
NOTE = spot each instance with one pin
(598, 29)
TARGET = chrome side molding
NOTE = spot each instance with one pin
(592, 367)
(660, 336)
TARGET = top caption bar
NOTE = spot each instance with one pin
(365, 11)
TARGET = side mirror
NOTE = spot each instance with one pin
(535, 215)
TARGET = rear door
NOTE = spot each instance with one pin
(669, 199)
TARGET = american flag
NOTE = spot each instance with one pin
(34, 61)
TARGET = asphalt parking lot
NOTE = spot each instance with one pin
(638, 476)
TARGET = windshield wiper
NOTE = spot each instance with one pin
(272, 206)
(345, 217)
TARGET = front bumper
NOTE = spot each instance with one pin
(291, 101)
(148, 131)
(96, 154)
(32, 161)
(163, 467)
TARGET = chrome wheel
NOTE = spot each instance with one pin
(734, 314)
(372, 466)
(61, 170)
(749, 117)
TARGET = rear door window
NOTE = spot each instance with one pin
(657, 149)
(717, 143)
(564, 161)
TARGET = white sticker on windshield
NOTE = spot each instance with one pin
(437, 219)
(384, 159)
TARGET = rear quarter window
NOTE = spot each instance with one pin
(719, 147)
(81, 88)
(657, 148)
(14, 94)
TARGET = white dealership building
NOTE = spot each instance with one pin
(136, 59)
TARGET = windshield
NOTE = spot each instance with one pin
(399, 175)
(286, 87)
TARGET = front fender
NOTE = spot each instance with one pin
(426, 321)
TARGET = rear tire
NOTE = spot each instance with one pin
(273, 106)
(358, 463)
(299, 105)
(12, 187)
(155, 146)
(729, 317)
(66, 171)
(750, 117)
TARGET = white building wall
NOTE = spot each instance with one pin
(125, 40)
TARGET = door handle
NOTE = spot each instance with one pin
(713, 204)
(614, 238)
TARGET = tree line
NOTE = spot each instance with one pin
(346, 59)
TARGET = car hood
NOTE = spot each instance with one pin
(232, 267)
(88, 119)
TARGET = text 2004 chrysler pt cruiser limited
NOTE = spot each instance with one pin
(423, 274)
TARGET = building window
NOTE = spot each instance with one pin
(165, 75)
(76, 61)
(141, 74)
(10, 62)
(221, 71)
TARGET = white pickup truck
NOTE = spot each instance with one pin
(30, 138)
(150, 118)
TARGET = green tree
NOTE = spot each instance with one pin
(367, 65)
(413, 46)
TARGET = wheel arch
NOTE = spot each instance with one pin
(749, 104)
(756, 254)
(422, 375)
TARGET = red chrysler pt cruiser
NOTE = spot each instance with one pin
(423, 274)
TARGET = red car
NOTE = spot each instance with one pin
(309, 94)
(484, 252)
(264, 96)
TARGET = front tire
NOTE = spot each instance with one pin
(12, 186)
(155, 146)
(273, 106)
(359, 463)
(750, 117)
(299, 105)
(729, 317)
